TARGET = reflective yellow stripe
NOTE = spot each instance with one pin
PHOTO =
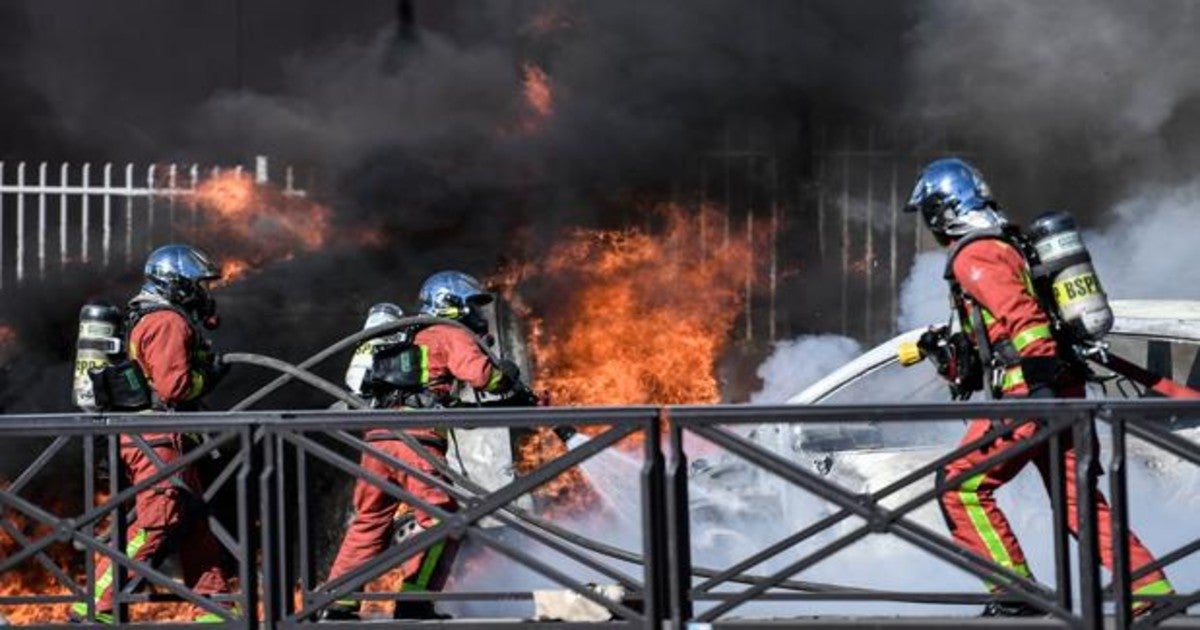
(1030, 335)
(197, 385)
(1157, 587)
(496, 379)
(209, 618)
(79, 609)
(424, 364)
(135, 544)
(133, 350)
(425, 574)
(1013, 377)
(987, 532)
(988, 319)
(1027, 280)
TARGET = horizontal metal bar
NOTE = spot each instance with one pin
(906, 412)
(318, 420)
(880, 623)
(115, 191)
(965, 599)
(1138, 411)
(15, 600)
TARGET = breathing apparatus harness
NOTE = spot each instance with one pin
(1064, 283)
(399, 377)
(106, 376)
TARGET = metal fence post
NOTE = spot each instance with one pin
(62, 216)
(172, 172)
(1059, 509)
(41, 220)
(150, 189)
(116, 477)
(679, 547)
(261, 457)
(20, 222)
(261, 173)
(83, 213)
(194, 177)
(654, 537)
(106, 237)
(1119, 507)
(128, 214)
(1086, 474)
(89, 501)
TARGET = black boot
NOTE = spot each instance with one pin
(340, 611)
(417, 609)
(1010, 608)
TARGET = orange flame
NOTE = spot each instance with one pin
(627, 317)
(30, 577)
(538, 96)
(642, 319)
(253, 224)
(538, 93)
(232, 270)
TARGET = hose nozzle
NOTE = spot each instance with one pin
(909, 353)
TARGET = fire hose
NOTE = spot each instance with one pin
(1145, 378)
(346, 343)
(463, 486)
(954, 362)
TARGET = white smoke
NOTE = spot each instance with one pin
(1149, 252)
(923, 296)
(797, 363)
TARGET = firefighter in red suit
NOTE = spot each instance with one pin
(450, 356)
(166, 343)
(991, 286)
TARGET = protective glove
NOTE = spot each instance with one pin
(930, 342)
(510, 369)
(955, 358)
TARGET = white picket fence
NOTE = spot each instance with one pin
(84, 205)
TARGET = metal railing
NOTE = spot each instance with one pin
(269, 457)
(125, 211)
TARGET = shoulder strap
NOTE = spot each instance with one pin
(978, 235)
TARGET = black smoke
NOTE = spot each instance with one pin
(410, 117)
(1077, 103)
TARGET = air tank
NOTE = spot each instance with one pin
(1065, 268)
(97, 346)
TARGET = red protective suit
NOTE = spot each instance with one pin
(453, 355)
(164, 345)
(995, 274)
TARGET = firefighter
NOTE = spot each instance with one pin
(451, 357)
(991, 288)
(166, 344)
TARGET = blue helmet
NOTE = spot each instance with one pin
(455, 295)
(953, 199)
(177, 274)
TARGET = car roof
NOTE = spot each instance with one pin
(1168, 320)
